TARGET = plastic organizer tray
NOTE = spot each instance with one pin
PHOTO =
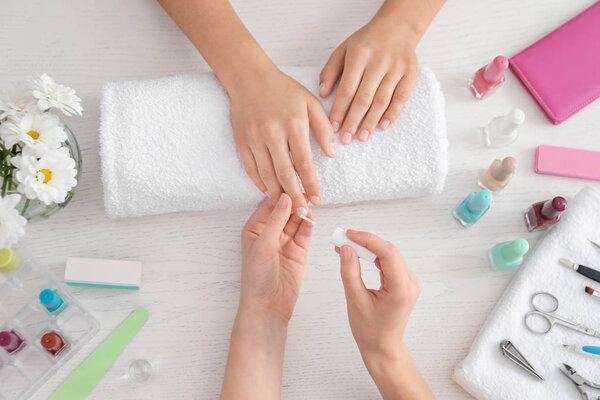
(24, 369)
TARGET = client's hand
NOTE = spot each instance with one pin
(271, 115)
(378, 318)
(377, 69)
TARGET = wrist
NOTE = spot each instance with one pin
(383, 362)
(408, 19)
(238, 80)
(259, 319)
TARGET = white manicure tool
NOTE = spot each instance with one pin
(339, 239)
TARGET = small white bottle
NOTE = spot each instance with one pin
(502, 130)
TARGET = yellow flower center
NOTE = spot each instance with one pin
(45, 174)
(34, 135)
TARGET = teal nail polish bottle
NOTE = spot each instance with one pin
(473, 207)
(508, 254)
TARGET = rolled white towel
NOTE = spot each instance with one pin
(167, 145)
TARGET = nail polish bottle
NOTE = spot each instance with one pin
(53, 343)
(502, 130)
(473, 207)
(508, 254)
(52, 301)
(11, 342)
(489, 77)
(9, 261)
(544, 214)
(498, 174)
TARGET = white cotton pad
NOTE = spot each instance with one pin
(340, 239)
(103, 273)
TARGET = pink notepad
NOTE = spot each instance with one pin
(562, 70)
(564, 161)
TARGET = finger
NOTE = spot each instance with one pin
(276, 221)
(303, 234)
(321, 128)
(390, 260)
(255, 223)
(286, 175)
(304, 166)
(399, 98)
(249, 164)
(349, 82)
(266, 171)
(354, 287)
(361, 103)
(331, 71)
(294, 223)
(381, 101)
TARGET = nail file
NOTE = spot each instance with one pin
(83, 380)
(563, 161)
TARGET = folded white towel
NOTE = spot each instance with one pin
(167, 145)
(485, 373)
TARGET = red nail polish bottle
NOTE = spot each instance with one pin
(10, 341)
(52, 342)
(544, 214)
(489, 77)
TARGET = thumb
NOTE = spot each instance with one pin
(354, 287)
(277, 220)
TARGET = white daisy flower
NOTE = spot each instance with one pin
(13, 105)
(50, 94)
(12, 224)
(49, 178)
(38, 131)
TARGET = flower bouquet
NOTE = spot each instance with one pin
(39, 157)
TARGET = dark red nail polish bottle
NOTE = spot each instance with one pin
(544, 214)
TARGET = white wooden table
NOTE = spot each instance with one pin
(192, 260)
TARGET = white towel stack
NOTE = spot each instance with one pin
(167, 145)
(485, 373)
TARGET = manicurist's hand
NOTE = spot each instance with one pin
(378, 318)
(271, 115)
(376, 68)
(274, 247)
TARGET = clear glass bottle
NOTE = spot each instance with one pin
(502, 130)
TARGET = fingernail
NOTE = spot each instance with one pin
(301, 211)
(283, 201)
(266, 193)
(315, 200)
(335, 125)
(345, 252)
(346, 137)
(331, 149)
(322, 86)
(385, 124)
(363, 136)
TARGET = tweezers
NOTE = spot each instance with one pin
(510, 351)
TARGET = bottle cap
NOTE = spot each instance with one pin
(504, 169)
(559, 203)
(480, 201)
(5, 339)
(493, 71)
(515, 249)
(50, 299)
(51, 341)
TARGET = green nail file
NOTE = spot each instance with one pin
(83, 380)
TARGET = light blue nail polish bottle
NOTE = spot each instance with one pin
(473, 207)
(508, 254)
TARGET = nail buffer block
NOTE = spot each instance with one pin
(103, 273)
(340, 239)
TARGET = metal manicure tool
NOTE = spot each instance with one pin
(593, 243)
(510, 351)
(579, 381)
